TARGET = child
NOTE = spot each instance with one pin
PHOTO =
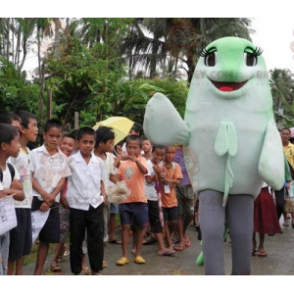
(49, 169)
(147, 148)
(85, 198)
(10, 118)
(158, 153)
(132, 171)
(265, 220)
(185, 197)
(21, 236)
(67, 146)
(9, 146)
(170, 177)
(103, 149)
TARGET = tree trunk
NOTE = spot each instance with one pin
(41, 69)
(7, 40)
(191, 68)
(18, 41)
(56, 38)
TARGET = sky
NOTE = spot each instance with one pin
(273, 34)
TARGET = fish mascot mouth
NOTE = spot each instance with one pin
(228, 86)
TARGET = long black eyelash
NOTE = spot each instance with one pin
(257, 52)
(203, 53)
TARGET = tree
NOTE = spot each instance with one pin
(179, 38)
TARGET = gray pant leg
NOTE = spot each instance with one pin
(4, 251)
(106, 216)
(240, 219)
(212, 224)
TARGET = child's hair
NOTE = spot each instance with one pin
(144, 138)
(134, 138)
(8, 133)
(75, 133)
(6, 117)
(25, 117)
(69, 135)
(53, 123)
(85, 131)
(156, 146)
(103, 134)
(137, 128)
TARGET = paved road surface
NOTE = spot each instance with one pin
(279, 261)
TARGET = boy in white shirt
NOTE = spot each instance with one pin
(9, 146)
(49, 169)
(85, 198)
(21, 236)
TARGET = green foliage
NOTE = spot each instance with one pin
(15, 92)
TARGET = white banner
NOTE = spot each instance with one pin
(7, 214)
(38, 221)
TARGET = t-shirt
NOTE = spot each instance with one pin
(289, 153)
(7, 180)
(109, 168)
(150, 191)
(1, 186)
(22, 164)
(48, 170)
(180, 160)
(170, 199)
(135, 180)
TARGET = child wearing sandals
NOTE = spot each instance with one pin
(265, 220)
(132, 171)
(154, 169)
(170, 177)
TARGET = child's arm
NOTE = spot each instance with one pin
(15, 190)
(142, 168)
(48, 198)
(113, 178)
(150, 179)
(102, 191)
(58, 188)
(63, 191)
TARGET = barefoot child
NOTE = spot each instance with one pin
(49, 169)
(169, 179)
(21, 236)
(10, 184)
(132, 171)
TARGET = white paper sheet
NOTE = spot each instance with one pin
(8, 219)
(38, 221)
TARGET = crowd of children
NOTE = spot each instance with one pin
(67, 180)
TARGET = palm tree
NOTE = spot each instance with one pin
(179, 38)
(282, 88)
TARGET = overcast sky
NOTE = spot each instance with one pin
(275, 35)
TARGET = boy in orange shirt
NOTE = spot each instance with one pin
(132, 171)
(170, 177)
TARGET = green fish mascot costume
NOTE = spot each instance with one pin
(229, 125)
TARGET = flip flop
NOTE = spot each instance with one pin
(166, 253)
(187, 242)
(115, 241)
(55, 268)
(254, 251)
(262, 253)
(85, 270)
(179, 247)
(149, 241)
